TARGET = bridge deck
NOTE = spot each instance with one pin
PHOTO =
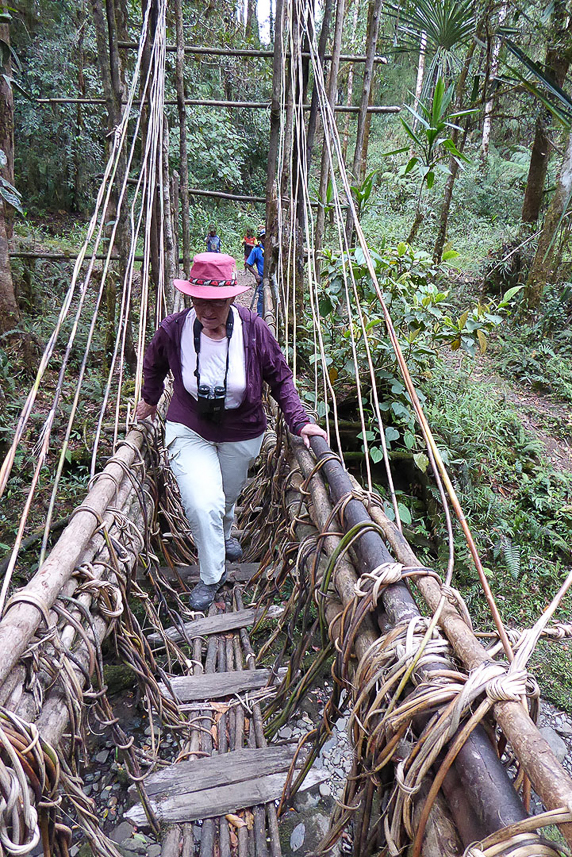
(218, 798)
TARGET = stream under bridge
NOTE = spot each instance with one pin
(445, 750)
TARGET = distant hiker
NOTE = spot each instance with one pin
(213, 241)
(257, 258)
(248, 242)
(219, 356)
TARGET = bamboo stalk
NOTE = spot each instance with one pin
(320, 508)
(498, 802)
(21, 620)
(240, 105)
(246, 52)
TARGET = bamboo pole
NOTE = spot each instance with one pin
(23, 616)
(477, 764)
(183, 157)
(247, 52)
(549, 779)
(241, 105)
(441, 839)
(271, 242)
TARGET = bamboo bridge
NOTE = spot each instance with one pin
(443, 728)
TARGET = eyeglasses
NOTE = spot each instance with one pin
(202, 303)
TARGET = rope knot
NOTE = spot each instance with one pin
(372, 582)
(510, 687)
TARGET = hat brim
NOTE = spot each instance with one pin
(210, 292)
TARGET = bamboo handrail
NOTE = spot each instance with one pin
(241, 105)
(21, 620)
(548, 777)
(246, 52)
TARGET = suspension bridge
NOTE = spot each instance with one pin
(446, 750)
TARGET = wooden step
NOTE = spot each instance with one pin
(218, 624)
(218, 685)
(238, 572)
(217, 785)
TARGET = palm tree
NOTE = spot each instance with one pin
(444, 26)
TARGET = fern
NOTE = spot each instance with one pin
(511, 554)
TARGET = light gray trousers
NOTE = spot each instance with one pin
(210, 477)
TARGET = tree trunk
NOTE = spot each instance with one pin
(350, 92)
(251, 29)
(271, 243)
(171, 263)
(313, 118)
(494, 67)
(7, 126)
(183, 157)
(453, 165)
(9, 311)
(332, 92)
(420, 73)
(371, 45)
(77, 155)
(556, 65)
(546, 258)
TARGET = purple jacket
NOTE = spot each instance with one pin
(264, 361)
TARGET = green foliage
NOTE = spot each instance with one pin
(421, 314)
(539, 354)
(446, 24)
(516, 503)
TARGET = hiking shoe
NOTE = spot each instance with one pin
(232, 549)
(203, 594)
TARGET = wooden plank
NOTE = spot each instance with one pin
(191, 688)
(219, 800)
(218, 624)
(241, 572)
(236, 766)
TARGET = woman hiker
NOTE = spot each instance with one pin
(219, 355)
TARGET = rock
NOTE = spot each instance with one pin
(565, 729)
(325, 790)
(307, 800)
(300, 833)
(330, 743)
(297, 837)
(87, 789)
(153, 850)
(285, 732)
(555, 742)
(102, 757)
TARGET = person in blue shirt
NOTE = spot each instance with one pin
(257, 258)
(213, 241)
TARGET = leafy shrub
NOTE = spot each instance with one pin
(412, 289)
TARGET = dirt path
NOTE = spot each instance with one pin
(538, 413)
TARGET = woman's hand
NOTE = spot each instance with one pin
(143, 410)
(312, 430)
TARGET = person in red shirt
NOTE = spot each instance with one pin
(249, 242)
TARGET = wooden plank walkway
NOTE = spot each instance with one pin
(229, 779)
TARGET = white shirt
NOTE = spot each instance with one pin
(212, 361)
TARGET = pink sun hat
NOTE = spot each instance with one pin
(213, 276)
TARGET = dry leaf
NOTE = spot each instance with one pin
(233, 837)
(235, 820)
(249, 819)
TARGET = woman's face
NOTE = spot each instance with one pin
(212, 314)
